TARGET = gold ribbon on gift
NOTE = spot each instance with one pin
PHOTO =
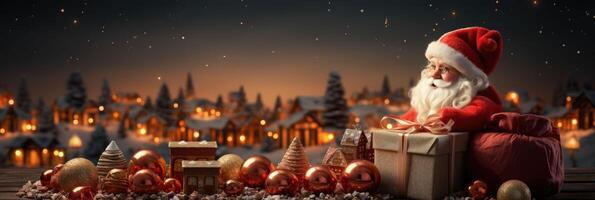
(434, 125)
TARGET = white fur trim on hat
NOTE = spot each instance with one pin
(457, 60)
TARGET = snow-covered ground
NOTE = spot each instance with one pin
(585, 155)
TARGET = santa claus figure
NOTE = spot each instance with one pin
(454, 84)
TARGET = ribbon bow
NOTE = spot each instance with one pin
(433, 124)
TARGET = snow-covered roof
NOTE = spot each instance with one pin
(555, 112)
(308, 103)
(351, 137)
(205, 124)
(41, 140)
(19, 113)
(191, 104)
(590, 95)
(146, 118)
(334, 157)
(135, 111)
(296, 117)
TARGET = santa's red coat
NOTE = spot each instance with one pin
(469, 118)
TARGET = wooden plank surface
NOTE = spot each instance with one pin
(578, 184)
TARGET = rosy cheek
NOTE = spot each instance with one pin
(450, 77)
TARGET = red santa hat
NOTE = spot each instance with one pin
(473, 51)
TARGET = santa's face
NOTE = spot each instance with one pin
(440, 86)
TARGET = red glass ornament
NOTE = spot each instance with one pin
(172, 185)
(282, 182)
(478, 190)
(147, 159)
(81, 193)
(254, 171)
(46, 177)
(361, 176)
(233, 187)
(145, 181)
(320, 179)
(54, 184)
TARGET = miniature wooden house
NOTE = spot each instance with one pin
(183, 150)
(200, 176)
(335, 160)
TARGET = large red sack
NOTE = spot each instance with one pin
(523, 147)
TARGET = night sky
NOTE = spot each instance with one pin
(280, 47)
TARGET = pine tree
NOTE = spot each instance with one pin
(98, 142)
(259, 105)
(76, 94)
(40, 105)
(46, 120)
(278, 103)
(181, 99)
(268, 145)
(335, 115)
(189, 86)
(295, 159)
(219, 104)
(148, 104)
(385, 87)
(122, 127)
(163, 105)
(23, 100)
(106, 94)
(241, 96)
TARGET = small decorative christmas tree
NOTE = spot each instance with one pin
(111, 158)
(295, 159)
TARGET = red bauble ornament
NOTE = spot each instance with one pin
(54, 183)
(282, 182)
(145, 181)
(254, 171)
(81, 193)
(233, 187)
(320, 179)
(46, 177)
(172, 185)
(147, 159)
(478, 190)
(361, 176)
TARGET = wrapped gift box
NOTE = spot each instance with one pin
(433, 163)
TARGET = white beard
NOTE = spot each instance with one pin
(427, 99)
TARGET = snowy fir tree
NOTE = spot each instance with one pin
(189, 86)
(268, 145)
(278, 104)
(76, 94)
(46, 120)
(122, 127)
(335, 115)
(148, 104)
(219, 103)
(105, 98)
(163, 105)
(40, 105)
(259, 105)
(385, 87)
(276, 115)
(181, 99)
(23, 100)
(99, 140)
(241, 97)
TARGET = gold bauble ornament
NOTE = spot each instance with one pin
(514, 190)
(78, 172)
(116, 181)
(230, 167)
